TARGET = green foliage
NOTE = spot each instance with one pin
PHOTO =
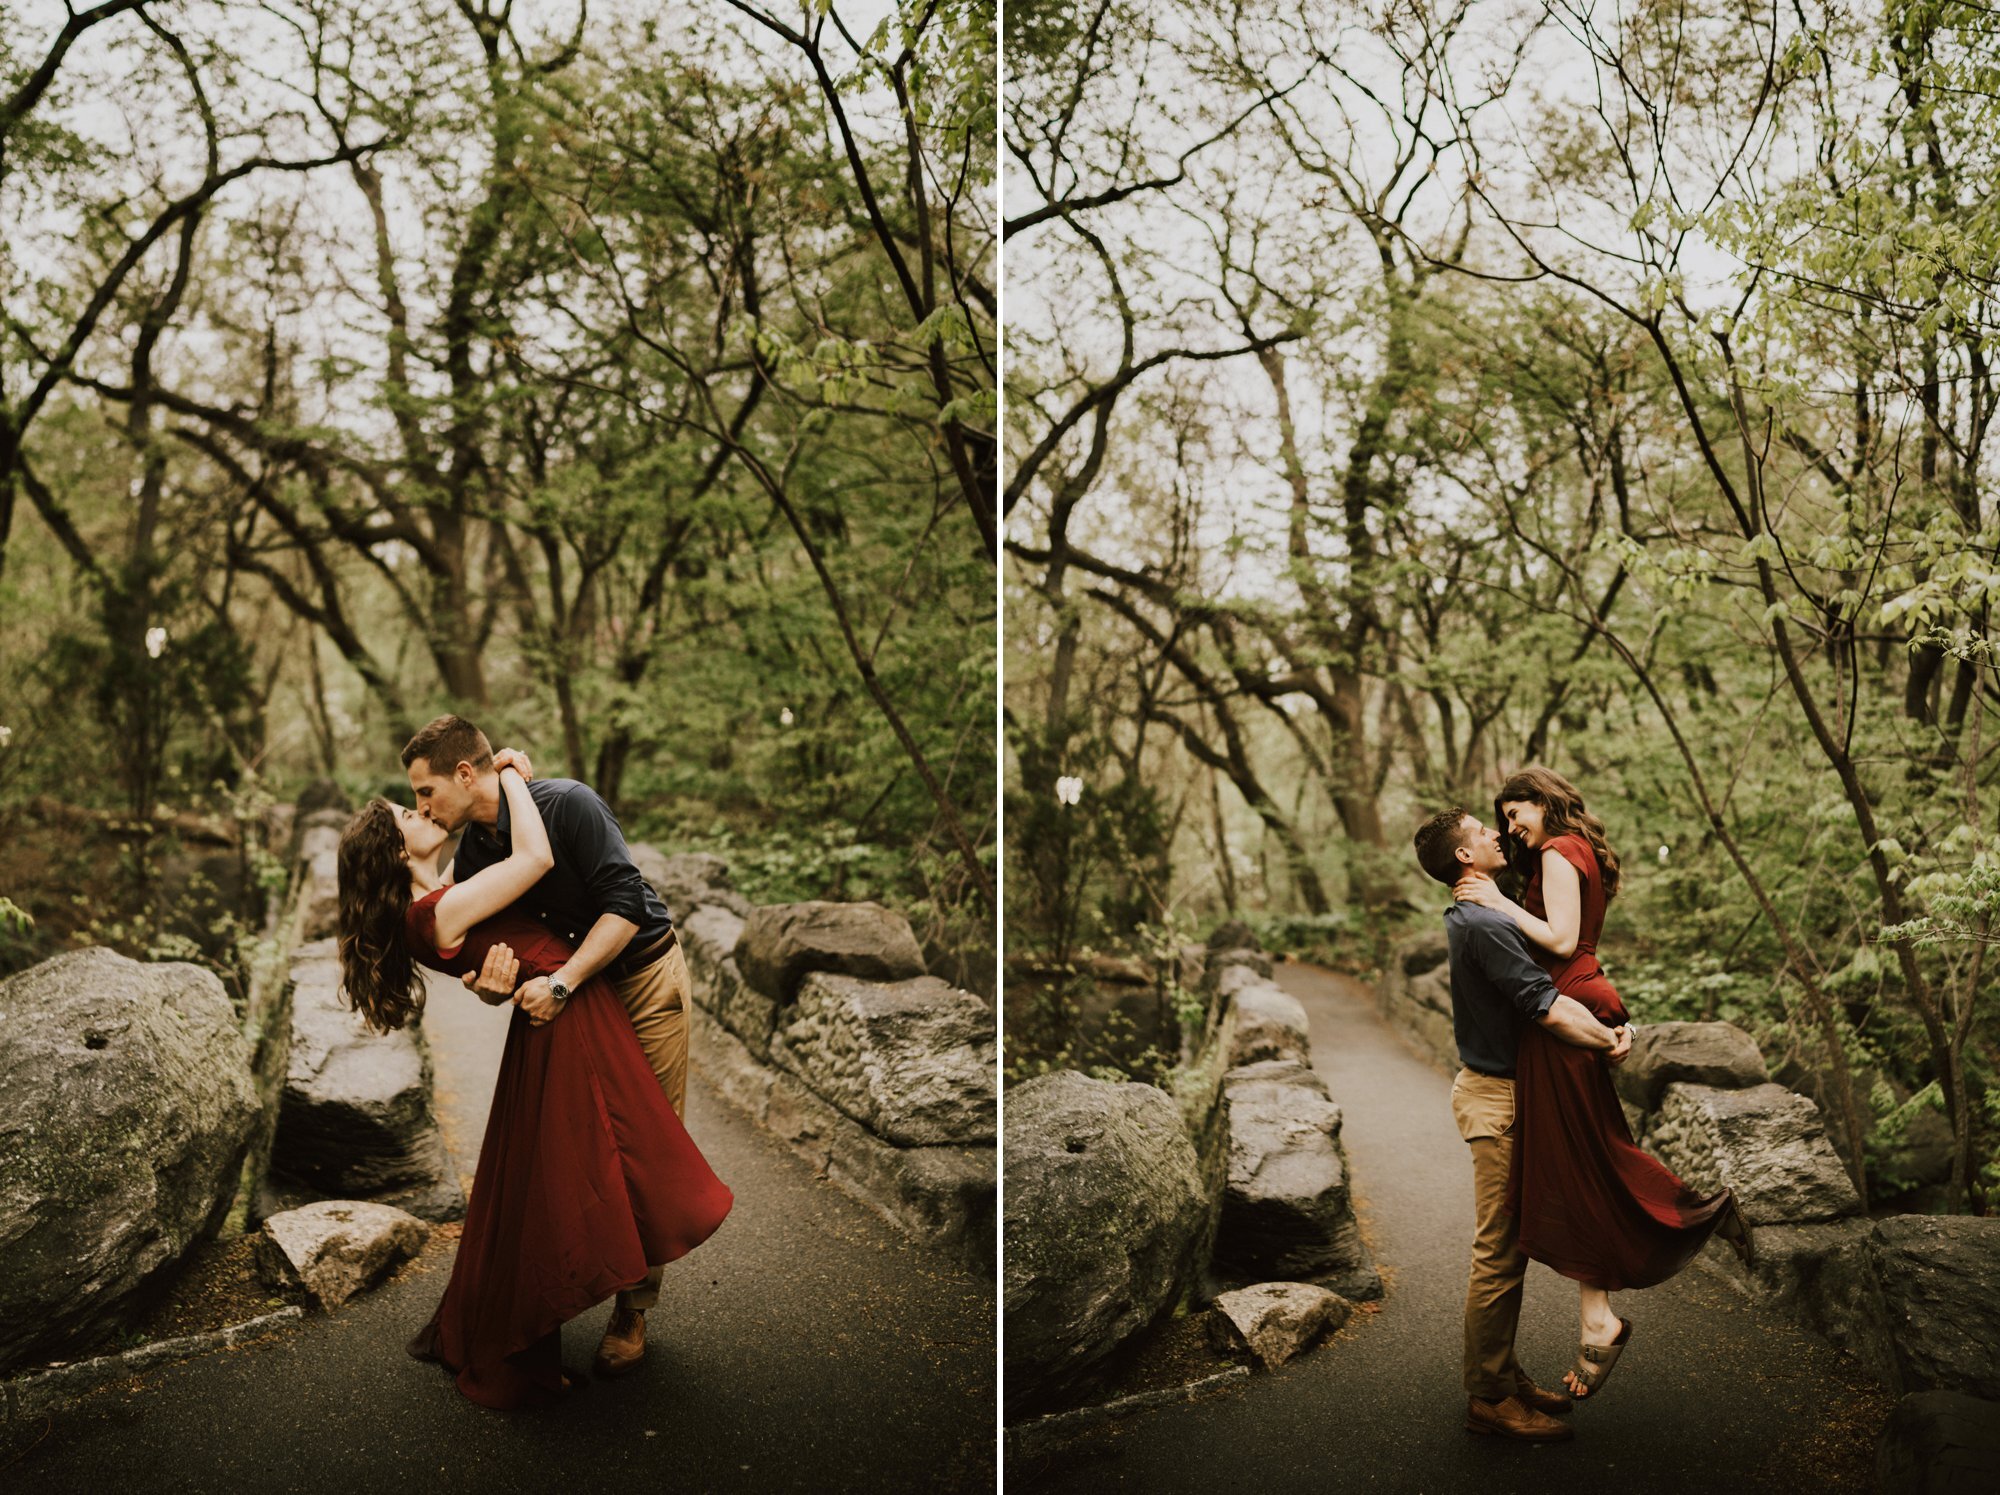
(1091, 872)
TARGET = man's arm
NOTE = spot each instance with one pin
(1503, 955)
(594, 845)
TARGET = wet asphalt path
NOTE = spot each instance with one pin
(1712, 1394)
(805, 1347)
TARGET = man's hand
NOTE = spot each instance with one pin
(1481, 890)
(517, 760)
(493, 982)
(535, 999)
(1619, 1050)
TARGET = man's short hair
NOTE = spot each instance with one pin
(1438, 840)
(447, 742)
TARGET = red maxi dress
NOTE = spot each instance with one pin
(1589, 1203)
(586, 1177)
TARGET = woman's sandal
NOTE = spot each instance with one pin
(1594, 1362)
(1736, 1235)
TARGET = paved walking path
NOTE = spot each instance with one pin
(1713, 1393)
(806, 1346)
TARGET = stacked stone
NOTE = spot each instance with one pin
(1415, 995)
(1287, 1214)
(355, 1122)
(1916, 1298)
(819, 1020)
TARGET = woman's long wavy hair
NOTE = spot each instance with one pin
(1563, 814)
(381, 981)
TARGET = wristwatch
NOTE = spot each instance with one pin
(558, 989)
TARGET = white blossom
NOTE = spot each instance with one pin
(1069, 789)
(156, 642)
(785, 717)
(1663, 856)
(6, 735)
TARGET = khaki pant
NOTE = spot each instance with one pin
(1483, 1107)
(656, 996)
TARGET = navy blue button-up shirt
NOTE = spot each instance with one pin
(1495, 987)
(593, 874)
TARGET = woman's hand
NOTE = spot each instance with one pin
(517, 760)
(1482, 891)
(493, 982)
(1621, 1047)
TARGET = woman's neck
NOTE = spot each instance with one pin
(424, 877)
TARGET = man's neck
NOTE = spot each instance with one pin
(486, 802)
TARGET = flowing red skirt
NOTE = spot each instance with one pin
(586, 1178)
(1589, 1202)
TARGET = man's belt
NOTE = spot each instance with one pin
(647, 957)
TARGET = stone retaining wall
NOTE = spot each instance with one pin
(818, 1020)
(352, 1118)
(1287, 1210)
(1125, 1200)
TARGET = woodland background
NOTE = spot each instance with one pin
(1399, 393)
(618, 375)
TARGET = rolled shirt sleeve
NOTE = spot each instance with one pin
(596, 847)
(1503, 956)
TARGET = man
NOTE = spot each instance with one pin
(1496, 986)
(597, 900)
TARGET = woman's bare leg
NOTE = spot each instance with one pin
(1599, 1325)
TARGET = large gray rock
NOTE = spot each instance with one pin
(1103, 1207)
(709, 935)
(942, 1196)
(912, 1061)
(781, 942)
(336, 1248)
(688, 880)
(1276, 1320)
(1270, 1024)
(356, 1120)
(1939, 1443)
(1939, 1277)
(1233, 934)
(1415, 995)
(1915, 1298)
(1286, 1210)
(126, 1106)
(1718, 1054)
(1423, 952)
(1765, 1143)
(1221, 962)
(318, 861)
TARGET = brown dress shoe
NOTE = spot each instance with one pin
(1513, 1418)
(624, 1342)
(1541, 1399)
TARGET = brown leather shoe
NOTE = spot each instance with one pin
(624, 1342)
(1513, 1418)
(1541, 1399)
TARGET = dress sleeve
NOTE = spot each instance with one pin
(420, 925)
(1576, 851)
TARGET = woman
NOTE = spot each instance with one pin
(586, 1175)
(1588, 1202)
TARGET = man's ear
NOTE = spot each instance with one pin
(466, 777)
